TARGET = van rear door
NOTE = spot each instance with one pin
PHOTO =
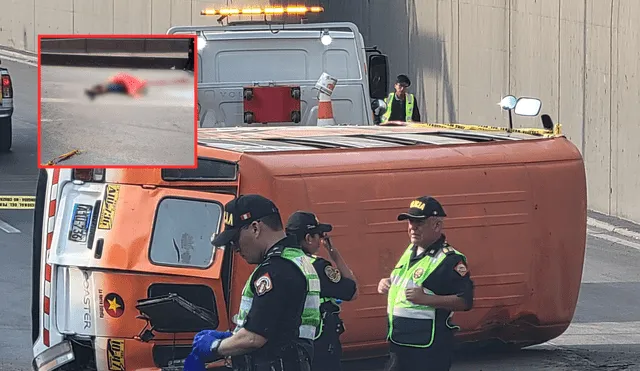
(121, 243)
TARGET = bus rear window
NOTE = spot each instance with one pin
(207, 170)
(182, 232)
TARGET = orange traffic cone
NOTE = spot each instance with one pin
(325, 86)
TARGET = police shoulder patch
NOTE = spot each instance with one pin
(461, 269)
(333, 274)
(263, 284)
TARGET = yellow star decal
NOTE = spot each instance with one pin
(113, 305)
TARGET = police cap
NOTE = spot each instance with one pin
(403, 79)
(241, 212)
(303, 222)
(422, 208)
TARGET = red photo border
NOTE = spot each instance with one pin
(122, 36)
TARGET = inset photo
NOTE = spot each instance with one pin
(117, 101)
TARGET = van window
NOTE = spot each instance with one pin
(182, 232)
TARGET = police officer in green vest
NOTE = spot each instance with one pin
(430, 281)
(401, 105)
(280, 306)
(336, 284)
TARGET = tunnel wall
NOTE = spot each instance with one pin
(581, 57)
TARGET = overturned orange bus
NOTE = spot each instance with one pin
(124, 273)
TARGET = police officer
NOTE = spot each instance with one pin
(279, 311)
(336, 284)
(400, 105)
(430, 281)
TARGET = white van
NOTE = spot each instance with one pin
(234, 58)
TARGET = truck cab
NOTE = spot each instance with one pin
(6, 110)
(263, 73)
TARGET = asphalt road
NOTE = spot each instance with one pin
(605, 333)
(116, 129)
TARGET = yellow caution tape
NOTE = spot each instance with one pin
(556, 131)
(17, 202)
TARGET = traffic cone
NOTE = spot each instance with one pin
(325, 86)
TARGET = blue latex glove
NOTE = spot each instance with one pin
(215, 333)
(193, 363)
(204, 339)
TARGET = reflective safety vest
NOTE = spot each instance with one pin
(413, 324)
(323, 300)
(410, 101)
(311, 312)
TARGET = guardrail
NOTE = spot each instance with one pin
(115, 53)
(112, 45)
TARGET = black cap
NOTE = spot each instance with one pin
(306, 222)
(243, 211)
(403, 79)
(422, 208)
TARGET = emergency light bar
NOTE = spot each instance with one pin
(271, 10)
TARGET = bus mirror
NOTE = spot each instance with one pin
(508, 103)
(528, 107)
(378, 76)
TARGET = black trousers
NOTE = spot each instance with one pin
(327, 349)
(437, 357)
(295, 359)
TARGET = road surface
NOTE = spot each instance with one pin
(605, 334)
(116, 129)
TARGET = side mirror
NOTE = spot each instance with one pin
(521, 106)
(378, 76)
(528, 107)
(508, 103)
(378, 106)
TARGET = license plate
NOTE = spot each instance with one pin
(80, 222)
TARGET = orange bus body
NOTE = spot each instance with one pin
(516, 206)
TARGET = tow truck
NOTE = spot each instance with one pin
(6, 109)
(262, 73)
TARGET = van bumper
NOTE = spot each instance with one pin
(54, 357)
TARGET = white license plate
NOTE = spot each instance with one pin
(80, 222)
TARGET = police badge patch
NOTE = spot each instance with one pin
(461, 269)
(418, 273)
(333, 274)
(263, 284)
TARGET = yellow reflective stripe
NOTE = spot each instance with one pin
(312, 302)
(414, 313)
(409, 107)
(307, 332)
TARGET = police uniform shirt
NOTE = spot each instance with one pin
(279, 289)
(332, 284)
(398, 111)
(450, 278)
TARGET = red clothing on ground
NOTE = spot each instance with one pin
(132, 84)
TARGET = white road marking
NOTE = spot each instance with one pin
(133, 102)
(8, 227)
(613, 239)
(599, 333)
(612, 228)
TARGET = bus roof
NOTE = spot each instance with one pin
(305, 138)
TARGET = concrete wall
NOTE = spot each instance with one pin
(581, 57)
